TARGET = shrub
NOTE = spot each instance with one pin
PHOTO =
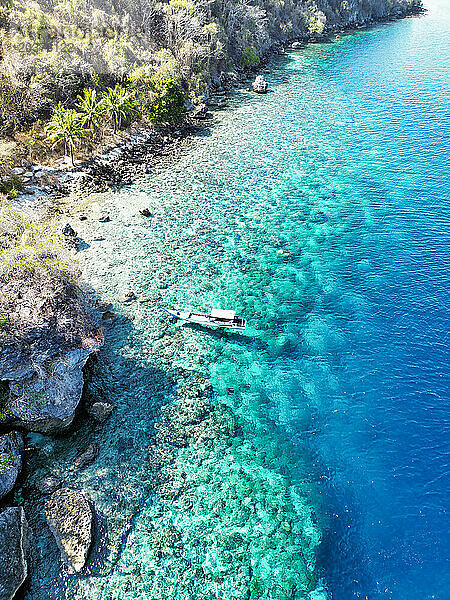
(167, 104)
(7, 461)
(159, 89)
(197, 85)
(315, 23)
(11, 186)
(31, 253)
(18, 105)
(249, 58)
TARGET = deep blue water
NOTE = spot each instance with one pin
(321, 213)
(387, 441)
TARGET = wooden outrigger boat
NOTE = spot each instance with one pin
(216, 318)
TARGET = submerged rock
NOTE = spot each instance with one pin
(13, 551)
(47, 485)
(319, 217)
(100, 411)
(69, 516)
(87, 457)
(11, 447)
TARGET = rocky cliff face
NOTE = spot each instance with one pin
(201, 38)
(47, 328)
(43, 379)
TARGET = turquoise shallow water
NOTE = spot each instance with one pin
(319, 212)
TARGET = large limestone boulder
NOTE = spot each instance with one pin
(69, 516)
(13, 550)
(11, 447)
(44, 397)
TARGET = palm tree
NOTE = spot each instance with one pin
(91, 108)
(119, 104)
(65, 127)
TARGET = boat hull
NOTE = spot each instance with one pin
(204, 319)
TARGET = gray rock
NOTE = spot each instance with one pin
(69, 230)
(104, 218)
(108, 314)
(69, 516)
(11, 447)
(87, 457)
(18, 171)
(100, 411)
(200, 112)
(128, 297)
(297, 45)
(13, 551)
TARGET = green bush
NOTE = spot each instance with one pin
(315, 23)
(161, 94)
(11, 186)
(6, 462)
(249, 58)
(167, 104)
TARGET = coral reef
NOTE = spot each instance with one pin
(222, 524)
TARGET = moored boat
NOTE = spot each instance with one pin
(216, 318)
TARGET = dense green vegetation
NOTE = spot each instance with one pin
(94, 65)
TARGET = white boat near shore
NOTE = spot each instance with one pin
(216, 318)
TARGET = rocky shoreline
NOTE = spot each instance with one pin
(66, 508)
(143, 147)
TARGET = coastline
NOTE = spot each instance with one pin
(141, 147)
